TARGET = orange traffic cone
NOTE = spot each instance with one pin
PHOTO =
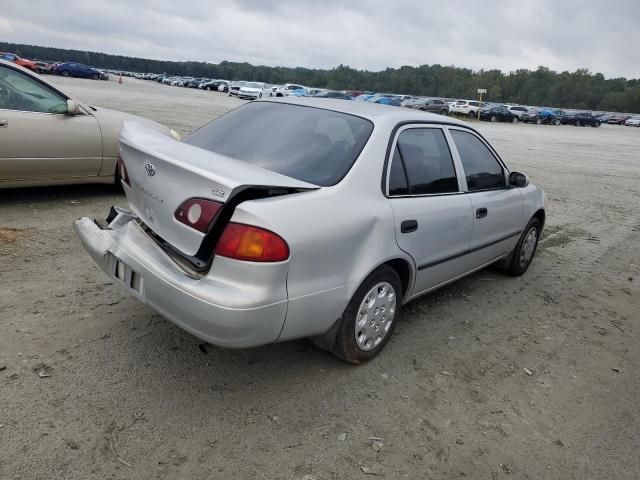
(120, 79)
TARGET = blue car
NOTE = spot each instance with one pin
(71, 69)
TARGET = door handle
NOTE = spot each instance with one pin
(481, 213)
(408, 226)
(4, 123)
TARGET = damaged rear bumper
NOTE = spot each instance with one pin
(237, 304)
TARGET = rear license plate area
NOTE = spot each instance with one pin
(127, 275)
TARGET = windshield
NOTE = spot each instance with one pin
(310, 144)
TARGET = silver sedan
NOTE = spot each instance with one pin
(310, 218)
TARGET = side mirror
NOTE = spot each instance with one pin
(72, 107)
(518, 180)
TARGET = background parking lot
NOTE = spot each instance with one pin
(491, 377)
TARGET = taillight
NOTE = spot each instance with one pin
(122, 171)
(197, 213)
(254, 244)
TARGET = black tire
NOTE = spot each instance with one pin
(597, 124)
(444, 112)
(345, 345)
(516, 266)
(578, 123)
(65, 73)
(494, 118)
(471, 115)
(514, 120)
(539, 121)
(556, 122)
(95, 76)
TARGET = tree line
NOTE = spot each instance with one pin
(580, 89)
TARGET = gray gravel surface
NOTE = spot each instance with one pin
(96, 385)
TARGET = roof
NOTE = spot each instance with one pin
(368, 110)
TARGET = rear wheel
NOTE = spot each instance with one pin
(514, 120)
(494, 118)
(471, 115)
(95, 76)
(368, 321)
(65, 73)
(556, 122)
(597, 124)
(525, 249)
(538, 121)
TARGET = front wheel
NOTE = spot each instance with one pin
(95, 76)
(494, 118)
(556, 122)
(65, 73)
(368, 321)
(525, 249)
(471, 115)
(514, 120)
(597, 124)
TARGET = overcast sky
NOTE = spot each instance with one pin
(599, 35)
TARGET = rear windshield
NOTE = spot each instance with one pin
(310, 144)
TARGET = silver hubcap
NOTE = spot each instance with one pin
(375, 316)
(528, 247)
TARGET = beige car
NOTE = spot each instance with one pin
(46, 138)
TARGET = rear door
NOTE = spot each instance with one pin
(433, 216)
(38, 139)
(497, 208)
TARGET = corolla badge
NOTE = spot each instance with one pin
(150, 169)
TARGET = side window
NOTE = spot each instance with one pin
(482, 169)
(20, 92)
(397, 177)
(427, 161)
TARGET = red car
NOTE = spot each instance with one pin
(618, 119)
(23, 62)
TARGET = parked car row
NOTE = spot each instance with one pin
(486, 111)
(66, 69)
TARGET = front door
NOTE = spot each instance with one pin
(39, 141)
(433, 217)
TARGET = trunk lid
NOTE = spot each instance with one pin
(164, 172)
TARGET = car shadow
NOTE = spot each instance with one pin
(63, 192)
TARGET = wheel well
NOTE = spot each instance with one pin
(540, 215)
(404, 272)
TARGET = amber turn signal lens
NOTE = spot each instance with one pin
(254, 244)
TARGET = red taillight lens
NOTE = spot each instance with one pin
(197, 213)
(254, 244)
(122, 170)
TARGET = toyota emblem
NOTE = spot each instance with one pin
(150, 169)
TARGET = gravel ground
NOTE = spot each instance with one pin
(491, 377)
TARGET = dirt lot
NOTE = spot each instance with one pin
(95, 385)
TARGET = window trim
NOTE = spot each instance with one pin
(446, 125)
(492, 151)
(393, 146)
